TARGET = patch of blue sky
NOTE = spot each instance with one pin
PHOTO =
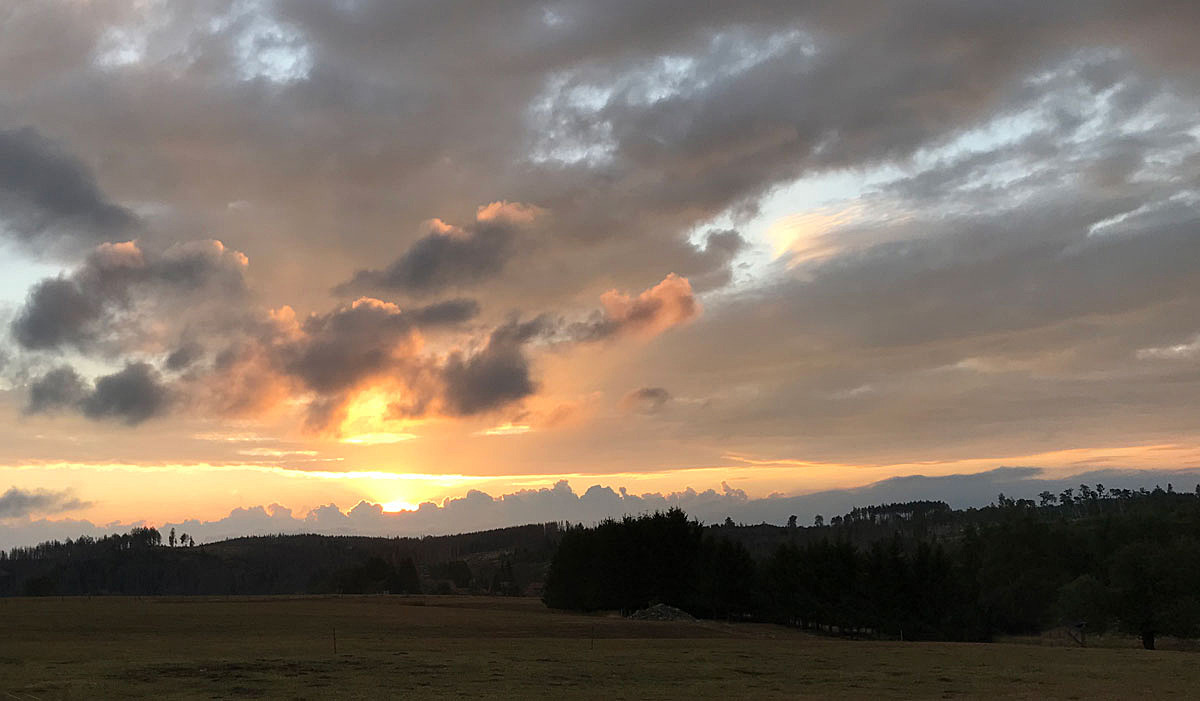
(19, 272)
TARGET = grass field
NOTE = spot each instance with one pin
(429, 647)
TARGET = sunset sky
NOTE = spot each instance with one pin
(276, 256)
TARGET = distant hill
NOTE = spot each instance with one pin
(505, 560)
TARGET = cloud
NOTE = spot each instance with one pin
(647, 400)
(101, 300)
(57, 313)
(710, 267)
(184, 355)
(340, 349)
(131, 395)
(59, 389)
(496, 375)
(47, 195)
(21, 503)
(451, 257)
(667, 304)
(325, 361)
(343, 351)
(1177, 351)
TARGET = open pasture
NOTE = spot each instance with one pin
(430, 647)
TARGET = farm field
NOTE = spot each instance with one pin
(452, 647)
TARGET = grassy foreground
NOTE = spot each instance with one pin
(427, 647)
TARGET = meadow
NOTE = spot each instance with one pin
(443, 647)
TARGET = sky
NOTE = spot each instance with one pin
(411, 267)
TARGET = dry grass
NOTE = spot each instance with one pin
(474, 647)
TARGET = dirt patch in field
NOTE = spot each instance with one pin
(662, 612)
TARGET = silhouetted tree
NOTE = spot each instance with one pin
(725, 579)
(627, 564)
(1155, 589)
(503, 581)
(404, 578)
(1085, 602)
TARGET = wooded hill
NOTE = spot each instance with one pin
(501, 561)
(1094, 560)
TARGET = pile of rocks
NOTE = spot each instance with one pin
(661, 612)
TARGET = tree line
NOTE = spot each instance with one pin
(1094, 560)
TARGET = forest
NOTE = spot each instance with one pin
(1090, 560)
(1093, 561)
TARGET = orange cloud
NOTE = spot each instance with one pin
(511, 212)
(669, 303)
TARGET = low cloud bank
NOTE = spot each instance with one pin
(21, 503)
(478, 511)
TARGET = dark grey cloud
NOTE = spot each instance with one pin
(131, 395)
(19, 503)
(342, 348)
(439, 261)
(496, 375)
(184, 356)
(48, 194)
(712, 268)
(451, 311)
(61, 388)
(102, 297)
(453, 257)
(57, 313)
